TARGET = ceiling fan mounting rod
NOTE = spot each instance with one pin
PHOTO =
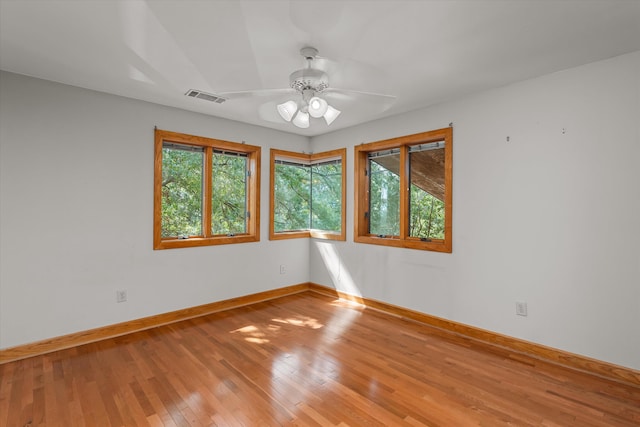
(309, 52)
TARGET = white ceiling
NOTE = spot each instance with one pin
(423, 52)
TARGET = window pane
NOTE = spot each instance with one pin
(326, 194)
(181, 191)
(228, 194)
(291, 197)
(418, 216)
(427, 209)
(384, 194)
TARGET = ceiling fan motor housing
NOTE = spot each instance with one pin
(309, 78)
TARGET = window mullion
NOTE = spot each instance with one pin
(207, 190)
(404, 191)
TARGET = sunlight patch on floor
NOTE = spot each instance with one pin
(253, 334)
(301, 321)
(257, 335)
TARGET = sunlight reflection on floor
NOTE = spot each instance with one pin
(292, 377)
(297, 375)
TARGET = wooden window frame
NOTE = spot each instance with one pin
(361, 184)
(253, 191)
(304, 159)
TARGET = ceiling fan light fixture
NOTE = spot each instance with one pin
(287, 110)
(301, 120)
(317, 107)
(331, 114)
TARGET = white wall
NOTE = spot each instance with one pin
(551, 218)
(76, 214)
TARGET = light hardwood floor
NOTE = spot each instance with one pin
(305, 360)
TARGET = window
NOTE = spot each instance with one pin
(307, 195)
(403, 191)
(206, 191)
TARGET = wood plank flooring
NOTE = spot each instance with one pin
(304, 360)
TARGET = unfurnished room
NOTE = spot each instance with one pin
(319, 213)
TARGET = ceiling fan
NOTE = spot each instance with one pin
(310, 94)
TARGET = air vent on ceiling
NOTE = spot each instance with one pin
(206, 96)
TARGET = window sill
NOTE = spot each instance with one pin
(435, 245)
(204, 241)
(315, 234)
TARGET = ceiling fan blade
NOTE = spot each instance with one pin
(357, 102)
(350, 72)
(255, 93)
(346, 94)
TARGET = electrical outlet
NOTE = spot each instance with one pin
(283, 269)
(121, 296)
(521, 308)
